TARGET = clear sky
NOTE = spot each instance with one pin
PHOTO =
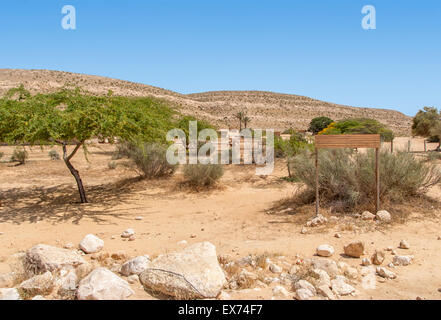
(315, 48)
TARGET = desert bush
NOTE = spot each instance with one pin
(149, 159)
(318, 124)
(202, 175)
(1, 155)
(19, 155)
(112, 165)
(347, 179)
(53, 154)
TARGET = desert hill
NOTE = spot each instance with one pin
(266, 109)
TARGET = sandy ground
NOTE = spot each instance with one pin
(39, 205)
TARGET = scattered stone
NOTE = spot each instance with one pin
(280, 291)
(354, 249)
(378, 257)
(351, 273)
(182, 243)
(316, 221)
(383, 216)
(404, 244)
(192, 273)
(133, 279)
(327, 265)
(324, 291)
(303, 284)
(135, 266)
(274, 268)
(193, 236)
(39, 297)
(322, 277)
(245, 278)
(391, 265)
(67, 282)
(40, 284)
(393, 252)
(303, 294)
(119, 255)
(138, 218)
(42, 258)
(402, 260)
(337, 235)
(103, 284)
(340, 287)
(389, 248)
(91, 244)
(69, 246)
(366, 262)
(127, 233)
(367, 216)
(304, 230)
(132, 238)
(325, 250)
(387, 274)
(9, 294)
(439, 237)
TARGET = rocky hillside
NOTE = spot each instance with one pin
(266, 109)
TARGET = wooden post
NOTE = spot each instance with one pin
(392, 146)
(425, 145)
(377, 179)
(408, 146)
(316, 183)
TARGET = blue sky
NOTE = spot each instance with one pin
(315, 48)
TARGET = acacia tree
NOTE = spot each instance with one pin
(71, 117)
(427, 123)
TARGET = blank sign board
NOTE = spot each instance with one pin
(348, 141)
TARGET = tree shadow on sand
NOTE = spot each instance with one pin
(61, 203)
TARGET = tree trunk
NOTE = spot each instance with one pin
(74, 171)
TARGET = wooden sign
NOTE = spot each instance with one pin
(348, 141)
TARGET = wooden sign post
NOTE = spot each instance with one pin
(348, 141)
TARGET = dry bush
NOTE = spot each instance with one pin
(347, 178)
(149, 159)
(202, 175)
(53, 154)
(19, 155)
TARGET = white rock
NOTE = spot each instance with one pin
(42, 258)
(366, 262)
(322, 277)
(9, 294)
(340, 287)
(38, 285)
(138, 218)
(383, 216)
(303, 284)
(274, 268)
(404, 244)
(325, 264)
(39, 297)
(325, 250)
(134, 278)
(7, 280)
(103, 284)
(69, 246)
(135, 266)
(324, 291)
(192, 273)
(128, 233)
(183, 243)
(351, 273)
(303, 294)
(304, 230)
(316, 221)
(337, 235)
(367, 216)
(402, 260)
(67, 282)
(91, 244)
(383, 272)
(280, 291)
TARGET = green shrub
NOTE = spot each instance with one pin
(202, 175)
(318, 124)
(53, 154)
(347, 179)
(19, 155)
(149, 159)
(360, 126)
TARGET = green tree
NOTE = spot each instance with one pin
(318, 124)
(425, 122)
(246, 121)
(71, 117)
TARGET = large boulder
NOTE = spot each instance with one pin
(91, 244)
(354, 249)
(39, 285)
(9, 294)
(135, 266)
(42, 258)
(103, 284)
(190, 274)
